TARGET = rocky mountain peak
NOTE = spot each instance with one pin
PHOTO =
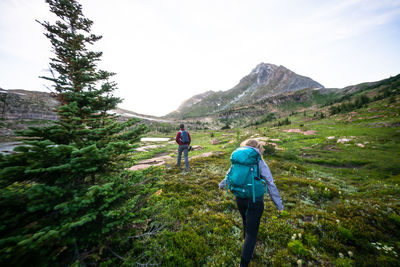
(262, 71)
(265, 80)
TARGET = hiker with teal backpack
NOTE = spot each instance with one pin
(249, 178)
(183, 139)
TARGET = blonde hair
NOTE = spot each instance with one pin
(254, 143)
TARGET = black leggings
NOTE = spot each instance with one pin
(251, 215)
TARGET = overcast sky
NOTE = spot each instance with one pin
(167, 51)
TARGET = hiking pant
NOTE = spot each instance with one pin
(183, 148)
(251, 215)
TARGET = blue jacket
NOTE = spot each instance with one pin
(266, 175)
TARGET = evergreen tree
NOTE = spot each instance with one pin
(61, 194)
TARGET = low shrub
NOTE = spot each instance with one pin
(269, 149)
(297, 248)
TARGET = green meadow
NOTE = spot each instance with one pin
(339, 186)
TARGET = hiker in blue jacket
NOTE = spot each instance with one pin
(251, 209)
(183, 139)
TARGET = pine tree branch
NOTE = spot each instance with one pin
(115, 254)
(153, 231)
(76, 254)
(147, 264)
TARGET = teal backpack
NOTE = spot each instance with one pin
(243, 179)
(184, 137)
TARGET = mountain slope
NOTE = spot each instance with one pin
(25, 105)
(20, 109)
(265, 80)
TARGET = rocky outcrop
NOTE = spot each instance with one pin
(270, 104)
(32, 105)
(27, 105)
(20, 109)
(144, 164)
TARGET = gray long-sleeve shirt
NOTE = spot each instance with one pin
(266, 175)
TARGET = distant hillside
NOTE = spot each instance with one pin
(321, 101)
(124, 113)
(24, 104)
(264, 81)
(20, 109)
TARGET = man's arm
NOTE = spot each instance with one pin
(190, 140)
(178, 137)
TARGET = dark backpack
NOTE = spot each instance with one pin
(243, 179)
(184, 137)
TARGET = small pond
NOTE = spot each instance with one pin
(8, 147)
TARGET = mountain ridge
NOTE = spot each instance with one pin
(265, 80)
(26, 104)
(20, 109)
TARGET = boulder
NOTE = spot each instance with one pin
(196, 148)
(293, 131)
(215, 141)
(309, 132)
(343, 140)
(146, 148)
(156, 161)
